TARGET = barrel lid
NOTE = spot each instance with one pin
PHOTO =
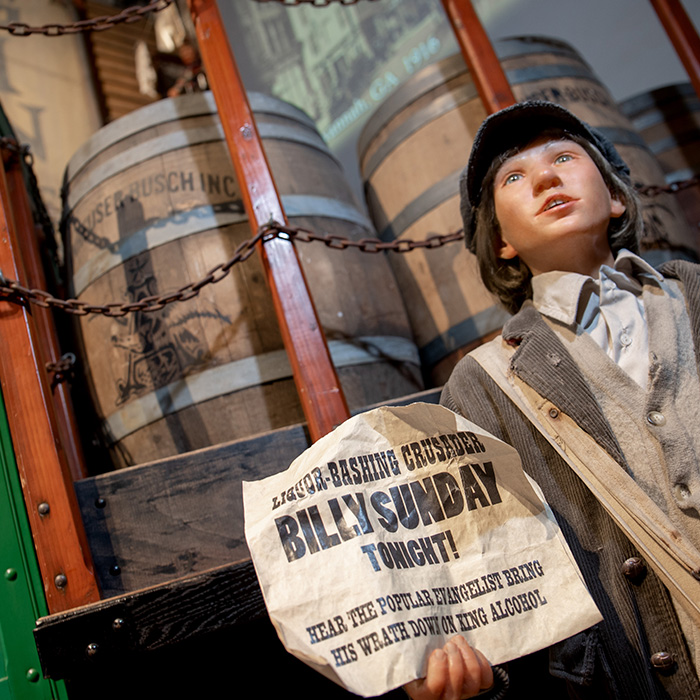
(446, 69)
(167, 110)
(77, 188)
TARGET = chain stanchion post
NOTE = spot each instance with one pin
(683, 36)
(47, 336)
(321, 395)
(485, 68)
(59, 536)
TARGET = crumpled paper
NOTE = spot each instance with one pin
(401, 528)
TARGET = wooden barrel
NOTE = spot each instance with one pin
(412, 151)
(668, 120)
(151, 204)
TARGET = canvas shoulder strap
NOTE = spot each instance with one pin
(674, 559)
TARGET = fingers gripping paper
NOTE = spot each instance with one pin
(404, 527)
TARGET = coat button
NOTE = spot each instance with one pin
(656, 418)
(682, 492)
(662, 660)
(633, 568)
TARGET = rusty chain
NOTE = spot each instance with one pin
(11, 146)
(313, 3)
(12, 290)
(671, 188)
(365, 245)
(96, 24)
(134, 14)
(62, 369)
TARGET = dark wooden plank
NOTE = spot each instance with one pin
(124, 42)
(125, 627)
(119, 107)
(179, 515)
(108, 65)
(196, 620)
(201, 637)
(183, 514)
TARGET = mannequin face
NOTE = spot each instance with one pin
(554, 208)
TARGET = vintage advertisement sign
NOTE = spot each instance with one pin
(404, 527)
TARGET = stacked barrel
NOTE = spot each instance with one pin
(413, 149)
(668, 120)
(151, 204)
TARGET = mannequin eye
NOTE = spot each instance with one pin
(563, 158)
(513, 177)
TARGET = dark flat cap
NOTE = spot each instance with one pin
(517, 126)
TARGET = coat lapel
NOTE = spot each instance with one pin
(542, 362)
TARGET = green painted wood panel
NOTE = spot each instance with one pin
(21, 595)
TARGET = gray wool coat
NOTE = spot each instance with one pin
(611, 659)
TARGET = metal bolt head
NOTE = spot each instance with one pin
(43, 508)
(11, 574)
(100, 503)
(92, 649)
(247, 132)
(633, 568)
(33, 675)
(118, 623)
(115, 570)
(60, 580)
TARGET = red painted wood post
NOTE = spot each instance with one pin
(484, 66)
(47, 337)
(59, 537)
(316, 380)
(683, 35)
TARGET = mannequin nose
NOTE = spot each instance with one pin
(545, 179)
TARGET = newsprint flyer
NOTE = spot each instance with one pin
(400, 529)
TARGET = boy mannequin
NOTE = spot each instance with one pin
(615, 346)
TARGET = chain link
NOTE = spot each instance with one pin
(15, 292)
(366, 245)
(313, 3)
(96, 24)
(10, 145)
(62, 370)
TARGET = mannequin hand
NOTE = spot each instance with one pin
(455, 672)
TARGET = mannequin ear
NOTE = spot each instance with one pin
(617, 207)
(504, 250)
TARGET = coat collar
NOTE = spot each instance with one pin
(688, 274)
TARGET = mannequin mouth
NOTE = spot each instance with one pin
(554, 202)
